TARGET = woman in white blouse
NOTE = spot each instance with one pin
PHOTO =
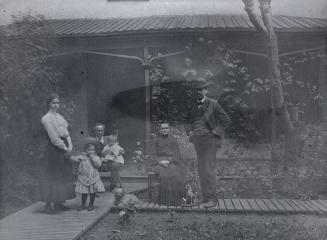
(57, 185)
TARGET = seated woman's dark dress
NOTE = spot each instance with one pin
(171, 178)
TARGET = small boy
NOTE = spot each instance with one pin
(113, 154)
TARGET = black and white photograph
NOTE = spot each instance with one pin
(163, 120)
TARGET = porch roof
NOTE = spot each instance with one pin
(182, 23)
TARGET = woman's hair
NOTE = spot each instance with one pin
(89, 144)
(51, 97)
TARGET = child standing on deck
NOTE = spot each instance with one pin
(88, 182)
(113, 154)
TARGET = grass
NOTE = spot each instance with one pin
(194, 226)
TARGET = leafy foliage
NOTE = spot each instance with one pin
(233, 86)
(291, 68)
(26, 79)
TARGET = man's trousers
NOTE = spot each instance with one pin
(206, 147)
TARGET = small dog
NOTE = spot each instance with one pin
(123, 199)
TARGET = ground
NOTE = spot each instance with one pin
(164, 226)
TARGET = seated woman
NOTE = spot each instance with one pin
(168, 165)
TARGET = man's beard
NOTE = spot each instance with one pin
(199, 96)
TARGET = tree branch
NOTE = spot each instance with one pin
(266, 15)
(249, 8)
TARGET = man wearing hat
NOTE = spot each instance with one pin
(204, 123)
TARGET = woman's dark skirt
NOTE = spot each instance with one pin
(171, 184)
(58, 181)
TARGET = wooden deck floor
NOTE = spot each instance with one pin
(265, 206)
(31, 224)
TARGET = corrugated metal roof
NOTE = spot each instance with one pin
(114, 26)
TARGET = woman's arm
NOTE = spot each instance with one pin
(69, 142)
(54, 138)
(76, 158)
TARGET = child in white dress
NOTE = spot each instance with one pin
(113, 153)
(88, 182)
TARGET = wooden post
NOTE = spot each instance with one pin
(147, 104)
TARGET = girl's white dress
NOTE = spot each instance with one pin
(88, 181)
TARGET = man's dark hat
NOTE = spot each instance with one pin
(200, 83)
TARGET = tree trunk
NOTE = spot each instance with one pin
(280, 118)
(274, 71)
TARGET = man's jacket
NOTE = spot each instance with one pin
(213, 114)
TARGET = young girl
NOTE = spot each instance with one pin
(113, 154)
(88, 181)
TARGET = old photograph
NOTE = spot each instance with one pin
(163, 119)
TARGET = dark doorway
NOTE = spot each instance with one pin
(116, 98)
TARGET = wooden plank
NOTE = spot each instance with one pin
(307, 206)
(302, 208)
(229, 205)
(171, 207)
(293, 205)
(271, 206)
(262, 205)
(286, 205)
(237, 204)
(321, 205)
(253, 205)
(318, 207)
(323, 208)
(246, 206)
(221, 204)
(140, 204)
(312, 206)
(322, 202)
(30, 223)
(217, 207)
(151, 205)
(163, 206)
(156, 206)
(278, 205)
(146, 205)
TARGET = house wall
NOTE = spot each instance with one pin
(116, 96)
(114, 90)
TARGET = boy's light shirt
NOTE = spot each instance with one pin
(113, 153)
